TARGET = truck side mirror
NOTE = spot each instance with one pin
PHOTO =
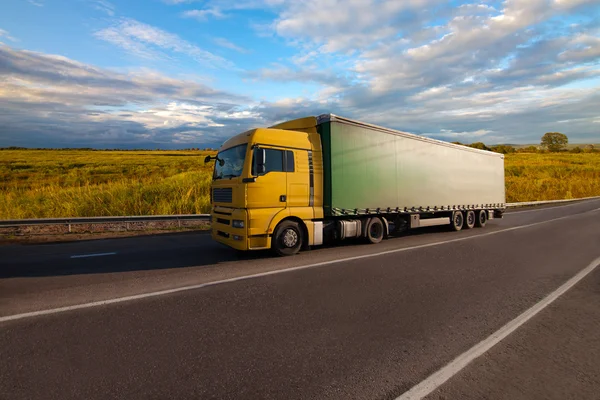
(208, 158)
(261, 158)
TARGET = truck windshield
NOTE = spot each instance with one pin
(233, 162)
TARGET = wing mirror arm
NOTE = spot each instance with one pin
(207, 159)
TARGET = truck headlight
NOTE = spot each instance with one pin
(236, 223)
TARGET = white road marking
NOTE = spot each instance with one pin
(93, 255)
(262, 274)
(575, 202)
(438, 378)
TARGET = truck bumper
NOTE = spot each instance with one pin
(223, 230)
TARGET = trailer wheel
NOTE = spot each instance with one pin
(375, 231)
(457, 220)
(287, 238)
(481, 219)
(470, 219)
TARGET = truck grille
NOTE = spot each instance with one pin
(222, 195)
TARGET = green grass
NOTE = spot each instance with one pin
(81, 183)
(75, 183)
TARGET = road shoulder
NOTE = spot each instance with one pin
(555, 355)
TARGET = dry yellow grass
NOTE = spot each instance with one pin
(551, 176)
(81, 183)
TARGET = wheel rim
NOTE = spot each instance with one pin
(458, 219)
(471, 218)
(482, 217)
(290, 238)
(375, 230)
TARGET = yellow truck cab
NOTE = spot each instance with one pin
(267, 185)
(307, 181)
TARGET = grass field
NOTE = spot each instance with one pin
(80, 183)
(531, 177)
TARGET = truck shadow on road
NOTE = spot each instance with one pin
(175, 251)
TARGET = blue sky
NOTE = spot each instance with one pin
(186, 73)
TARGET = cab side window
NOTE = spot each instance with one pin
(274, 161)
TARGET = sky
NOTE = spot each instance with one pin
(191, 73)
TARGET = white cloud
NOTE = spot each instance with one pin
(486, 73)
(104, 6)
(202, 15)
(176, 2)
(41, 96)
(337, 25)
(418, 69)
(445, 133)
(229, 45)
(5, 34)
(151, 42)
(282, 73)
(568, 4)
(583, 47)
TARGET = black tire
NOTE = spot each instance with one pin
(470, 219)
(375, 231)
(287, 238)
(457, 221)
(481, 219)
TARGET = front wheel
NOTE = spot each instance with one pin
(287, 238)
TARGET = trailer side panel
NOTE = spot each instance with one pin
(369, 168)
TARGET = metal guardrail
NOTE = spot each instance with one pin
(11, 223)
(543, 202)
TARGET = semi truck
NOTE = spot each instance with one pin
(323, 179)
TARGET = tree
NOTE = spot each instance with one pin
(479, 145)
(503, 148)
(554, 141)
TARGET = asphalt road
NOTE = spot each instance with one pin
(370, 326)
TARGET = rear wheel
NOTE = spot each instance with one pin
(481, 219)
(375, 231)
(287, 238)
(470, 219)
(457, 221)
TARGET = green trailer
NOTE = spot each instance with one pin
(368, 168)
(373, 174)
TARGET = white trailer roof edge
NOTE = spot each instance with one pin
(336, 118)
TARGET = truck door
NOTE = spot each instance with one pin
(298, 178)
(269, 190)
